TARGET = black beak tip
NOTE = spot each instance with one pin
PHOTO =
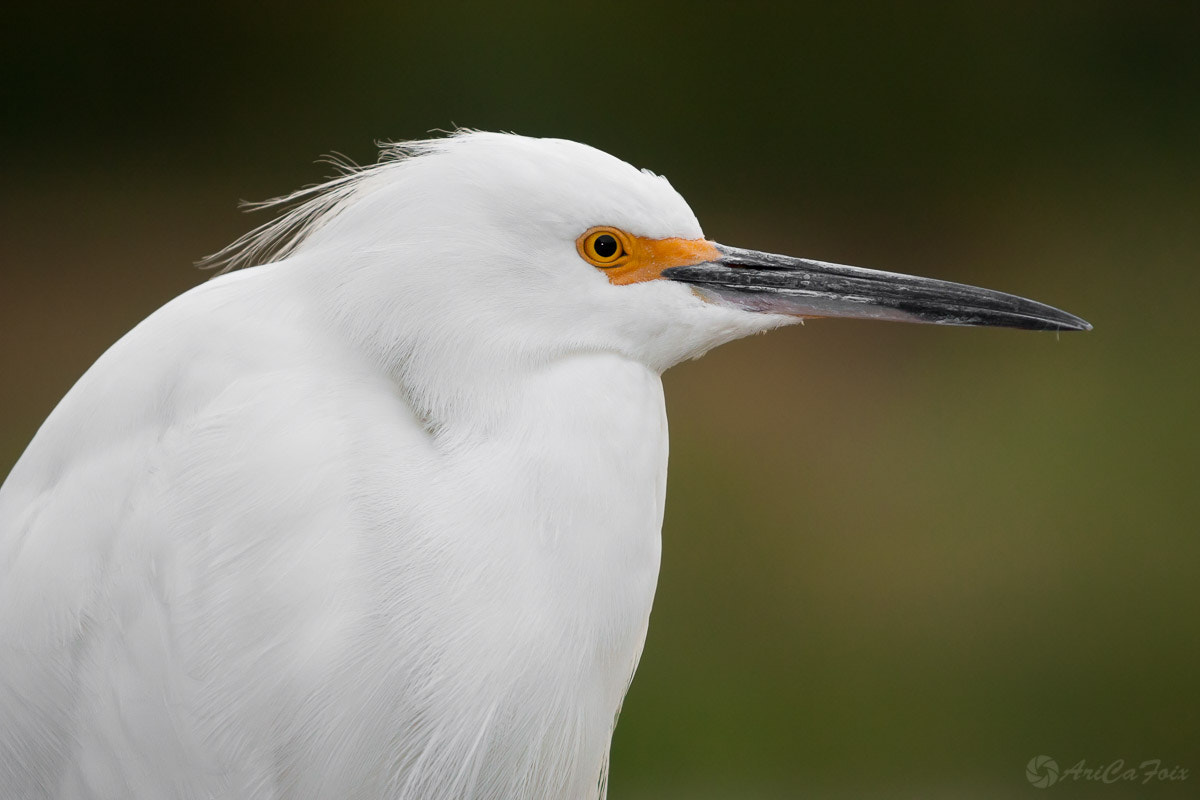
(1058, 320)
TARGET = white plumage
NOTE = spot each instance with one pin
(377, 520)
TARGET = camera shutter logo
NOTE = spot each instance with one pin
(1042, 771)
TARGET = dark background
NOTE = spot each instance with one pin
(899, 561)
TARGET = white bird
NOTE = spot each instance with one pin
(381, 518)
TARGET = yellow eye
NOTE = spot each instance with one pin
(603, 247)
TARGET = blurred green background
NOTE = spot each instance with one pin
(926, 555)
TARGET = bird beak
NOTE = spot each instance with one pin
(776, 284)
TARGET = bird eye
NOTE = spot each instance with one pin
(603, 247)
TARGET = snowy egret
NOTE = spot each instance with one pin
(380, 517)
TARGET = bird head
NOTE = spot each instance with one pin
(493, 251)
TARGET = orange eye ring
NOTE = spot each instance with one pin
(604, 247)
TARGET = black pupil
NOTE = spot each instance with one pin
(605, 246)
